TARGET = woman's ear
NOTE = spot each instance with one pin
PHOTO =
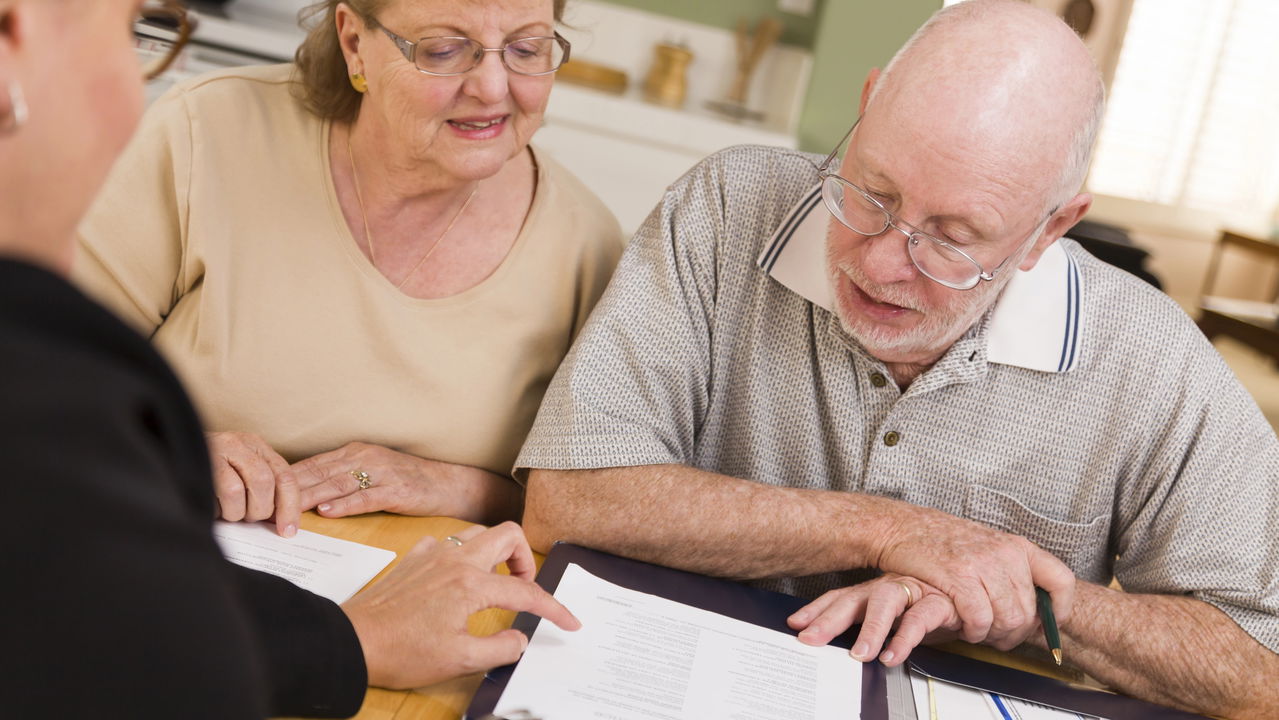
(14, 22)
(11, 30)
(13, 105)
(349, 25)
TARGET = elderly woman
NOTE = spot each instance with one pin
(357, 263)
(127, 609)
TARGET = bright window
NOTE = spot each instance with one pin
(1193, 116)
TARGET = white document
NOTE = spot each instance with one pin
(327, 566)
(938, 700)
(642, 657)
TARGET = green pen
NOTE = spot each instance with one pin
(1049, 621)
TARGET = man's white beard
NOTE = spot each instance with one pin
(933, 335)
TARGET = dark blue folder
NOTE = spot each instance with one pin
(1006, 681)
(742, 602)
(770, 610)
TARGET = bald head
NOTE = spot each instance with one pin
(1003, 76)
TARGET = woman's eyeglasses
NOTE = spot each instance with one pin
(449, 56)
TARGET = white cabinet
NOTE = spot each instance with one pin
(628, 150)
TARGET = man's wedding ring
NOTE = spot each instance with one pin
(910, 595)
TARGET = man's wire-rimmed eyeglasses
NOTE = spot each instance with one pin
(937, 259)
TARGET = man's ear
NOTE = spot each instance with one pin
(868, 88)
(1059, 224)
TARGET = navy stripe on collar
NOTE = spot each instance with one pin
(1070, 340)
(787, 231)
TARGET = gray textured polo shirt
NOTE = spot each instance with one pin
(1084, 412)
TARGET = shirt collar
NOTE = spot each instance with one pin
(1035, 323)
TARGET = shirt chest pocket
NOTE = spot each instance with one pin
(1083, 546)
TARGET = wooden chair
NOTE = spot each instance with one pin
(1253, 323)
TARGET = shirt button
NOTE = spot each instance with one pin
(878, 380)
(892, 437)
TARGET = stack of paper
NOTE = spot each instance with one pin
(333, 568)
(939, 700)
(643, 657)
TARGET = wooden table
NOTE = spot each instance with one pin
(447, 701)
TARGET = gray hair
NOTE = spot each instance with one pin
(1079, 152)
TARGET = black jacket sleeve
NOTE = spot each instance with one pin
(120, 604)
(298, 629)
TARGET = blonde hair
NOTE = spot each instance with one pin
(322, 83)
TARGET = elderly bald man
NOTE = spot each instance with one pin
(885, 376)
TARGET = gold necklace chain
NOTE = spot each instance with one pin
(368, 237)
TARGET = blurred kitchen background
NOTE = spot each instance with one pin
(1189, 147)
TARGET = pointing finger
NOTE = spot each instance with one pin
(519, 595)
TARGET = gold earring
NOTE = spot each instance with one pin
(359, 83)
(16, 117)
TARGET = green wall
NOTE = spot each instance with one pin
(847, 38)
(725, 14)
(852, 37)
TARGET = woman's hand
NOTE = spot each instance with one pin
(252, 482)
(360, 477)
(412, 623)
(917, 609)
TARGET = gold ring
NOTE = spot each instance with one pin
(363, 479)
(910, 596)
(454, 539)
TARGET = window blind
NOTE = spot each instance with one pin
(1193, 116)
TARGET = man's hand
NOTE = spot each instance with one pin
(918, 610)
(412, 623)
(710, 523)
(990, 576)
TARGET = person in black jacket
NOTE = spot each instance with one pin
(119, 602)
